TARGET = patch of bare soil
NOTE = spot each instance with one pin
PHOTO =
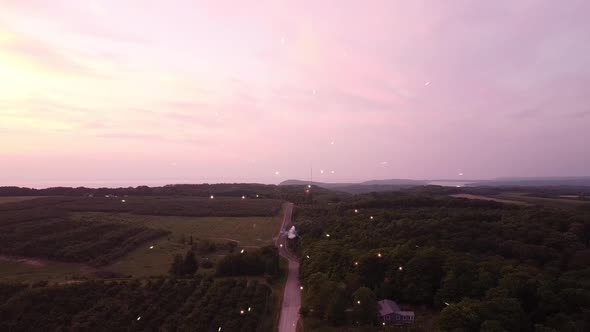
(23, 260)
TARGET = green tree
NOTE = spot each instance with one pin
(318, 293)
(507, 311)
(424, 272)
(492, 326)
(177, 266)
(365, 308)
(462, 316)
(543, 328)
(336, 310)
(190, 264)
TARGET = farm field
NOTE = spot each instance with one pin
(73, 240)
(196, 304)
(147, 261)
(487, 198)
(248, 231)
(10, 199)
(16, 269)
(557, 202)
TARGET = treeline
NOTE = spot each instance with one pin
(202, 190)
(486, 265)
(167, 206)
(47, 232)
(297, 194)
(196, 304)
(263, 261)
(186, 266)
(248, 262)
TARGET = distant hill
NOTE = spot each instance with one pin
(362, 187)
(578, 181)
(568, 184)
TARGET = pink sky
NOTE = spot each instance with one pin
(125, 93)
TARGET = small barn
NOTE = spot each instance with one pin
(391, 314)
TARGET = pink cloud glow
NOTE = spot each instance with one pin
(233, 91)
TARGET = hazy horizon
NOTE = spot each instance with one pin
(260, 91)
(124, 183)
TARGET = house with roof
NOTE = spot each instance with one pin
(391, 314)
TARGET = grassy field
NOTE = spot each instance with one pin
(556, 202)
(248, 223)
(147, 261)
(487, 198)
(29, 270)
(10, 199)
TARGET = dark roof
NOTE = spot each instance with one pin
(387, 307)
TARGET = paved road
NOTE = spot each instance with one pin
(292, 294)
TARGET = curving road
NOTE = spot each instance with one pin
(292, 294)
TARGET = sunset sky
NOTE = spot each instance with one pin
(111, 92)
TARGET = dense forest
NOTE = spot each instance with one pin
(263, 261)
(175, 206)
(485, 265)
(295, 194)
(196, 304)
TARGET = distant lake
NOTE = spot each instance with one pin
(449, 183)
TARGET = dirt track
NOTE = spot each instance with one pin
(292, 294)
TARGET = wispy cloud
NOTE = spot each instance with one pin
(46, 57)
(275, 81)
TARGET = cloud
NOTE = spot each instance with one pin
(54, 59)
(86, 18)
